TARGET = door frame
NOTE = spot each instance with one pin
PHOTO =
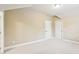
(2, 31)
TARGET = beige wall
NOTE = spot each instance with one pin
(23, 25)
(71, 28)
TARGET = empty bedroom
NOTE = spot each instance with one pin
(39, 29)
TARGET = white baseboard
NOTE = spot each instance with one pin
(70, 41)
(23, 44)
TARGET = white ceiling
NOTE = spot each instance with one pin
(13, 6)
(64, 11)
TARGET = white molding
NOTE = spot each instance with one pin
(70, 41)
(2, 31)
(23, 44)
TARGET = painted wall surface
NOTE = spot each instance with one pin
(71, 28)
(0, 30)
(23, 25)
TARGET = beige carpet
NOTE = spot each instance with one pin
(51, 46)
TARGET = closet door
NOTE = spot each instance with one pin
(58, 29)
(48, 33)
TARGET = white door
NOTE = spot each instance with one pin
(48, 33)
(58, 29)
(1, 32)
